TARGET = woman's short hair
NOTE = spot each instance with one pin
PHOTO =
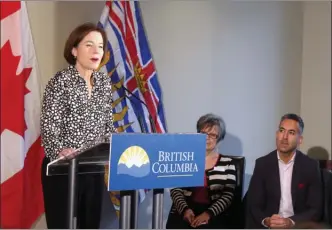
(210, 120)
(77, 35)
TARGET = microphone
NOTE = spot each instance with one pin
(152, 124)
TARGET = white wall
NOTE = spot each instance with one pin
(51, 22)
(242, 60)
(316, 79)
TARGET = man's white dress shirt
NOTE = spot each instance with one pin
(286, 203)
(285, 172)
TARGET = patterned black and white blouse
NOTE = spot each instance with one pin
(69, 118)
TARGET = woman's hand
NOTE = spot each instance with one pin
(189, 215)
(201, 219)
(66, 153)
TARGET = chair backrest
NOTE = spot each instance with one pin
(325, 164)
(240, 167)
(235, 213)
(327, 190)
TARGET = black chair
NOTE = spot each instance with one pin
(325, 164)
(235, 215)
(326, 217)
(327, 195)
(325, 221)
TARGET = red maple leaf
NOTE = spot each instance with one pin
(13, 90)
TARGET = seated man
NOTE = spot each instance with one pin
(286, 186)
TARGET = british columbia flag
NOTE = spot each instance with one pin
(130, 64)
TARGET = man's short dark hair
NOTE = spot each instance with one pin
(294, 117)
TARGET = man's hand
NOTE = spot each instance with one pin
(267, 221)
(189, 215)
(201, 219)
(276, 221)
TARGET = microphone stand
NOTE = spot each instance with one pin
(158, 194)
(129, 199)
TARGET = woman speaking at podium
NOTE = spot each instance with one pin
(76, 108)
(203, 207)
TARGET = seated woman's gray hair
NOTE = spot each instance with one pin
(208, 121)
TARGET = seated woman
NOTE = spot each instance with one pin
(203, 207)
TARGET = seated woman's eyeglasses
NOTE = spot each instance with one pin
(211, 135)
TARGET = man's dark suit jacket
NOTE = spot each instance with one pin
(264, 191)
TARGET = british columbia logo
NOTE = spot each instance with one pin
(134, 161)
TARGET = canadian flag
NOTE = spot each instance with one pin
(21, 151)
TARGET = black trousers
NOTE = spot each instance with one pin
(89, 199)
(176, 221)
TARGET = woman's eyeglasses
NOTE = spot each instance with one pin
(211, 135)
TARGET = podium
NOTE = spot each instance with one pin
(136, 161)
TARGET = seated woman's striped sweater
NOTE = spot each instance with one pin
(221, 182)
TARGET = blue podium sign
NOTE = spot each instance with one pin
(151, 161)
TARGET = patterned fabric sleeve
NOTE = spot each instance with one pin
(221, 204)
(52, 113)
(179, 200)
